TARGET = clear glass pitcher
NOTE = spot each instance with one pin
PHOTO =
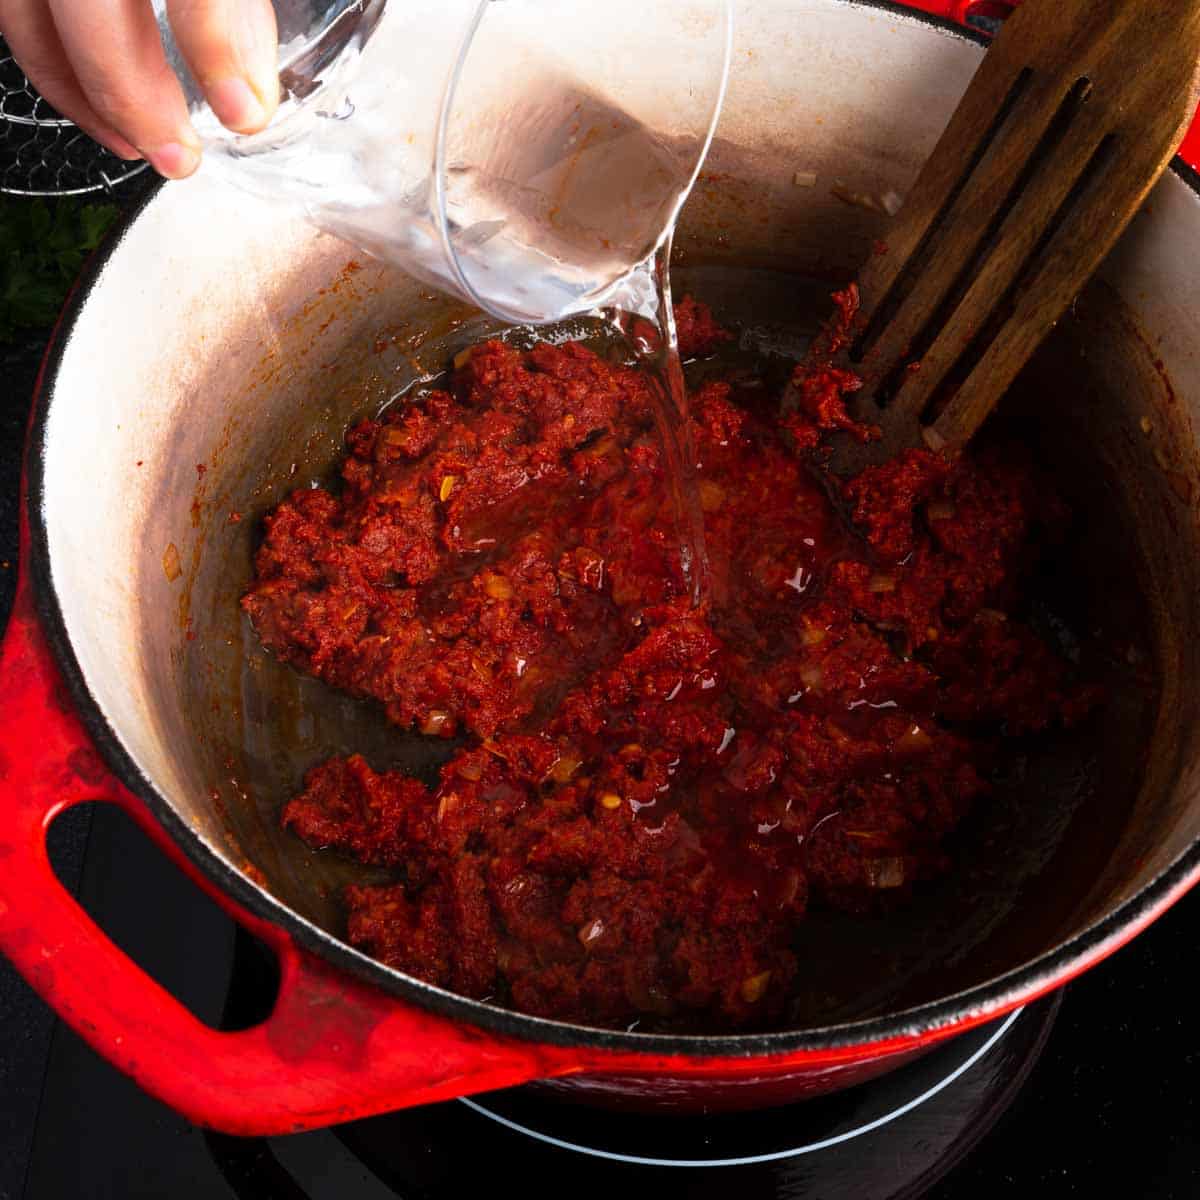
(524, 154)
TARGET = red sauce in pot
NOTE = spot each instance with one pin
(649, 798)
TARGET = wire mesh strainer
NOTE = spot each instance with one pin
(43, 154)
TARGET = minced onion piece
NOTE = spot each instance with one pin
(498, 587)
(915, 740)
(754, 987)
(712, 495)
(884, 873)
(590, 931)
(564, 768)
(434, 721)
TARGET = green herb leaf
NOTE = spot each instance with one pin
(95, 219)
(42, 248)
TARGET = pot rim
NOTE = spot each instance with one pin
(991, 997)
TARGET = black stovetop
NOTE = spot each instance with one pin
(1111, 1105)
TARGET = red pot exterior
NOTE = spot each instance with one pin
(336, 1048)
(677, 1094)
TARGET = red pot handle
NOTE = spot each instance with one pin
(333, 1049)
(962, 10)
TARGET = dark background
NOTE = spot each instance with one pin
(1113, 1108)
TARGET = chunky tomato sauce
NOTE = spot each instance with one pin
(647, 799)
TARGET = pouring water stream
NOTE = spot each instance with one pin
(646, 297)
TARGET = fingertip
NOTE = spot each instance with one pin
(174, 160)
(236, 105)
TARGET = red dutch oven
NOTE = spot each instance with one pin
(209, 339)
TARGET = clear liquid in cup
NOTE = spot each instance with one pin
(524, 154)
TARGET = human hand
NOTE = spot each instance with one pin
(101, 64)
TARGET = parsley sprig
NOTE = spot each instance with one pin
(42, 247)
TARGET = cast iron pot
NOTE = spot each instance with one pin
(210, 361)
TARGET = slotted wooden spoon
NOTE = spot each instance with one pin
(1074, 113)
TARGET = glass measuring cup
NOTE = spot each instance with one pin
(524, 154)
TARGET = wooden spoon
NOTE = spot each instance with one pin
(1074, 113)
